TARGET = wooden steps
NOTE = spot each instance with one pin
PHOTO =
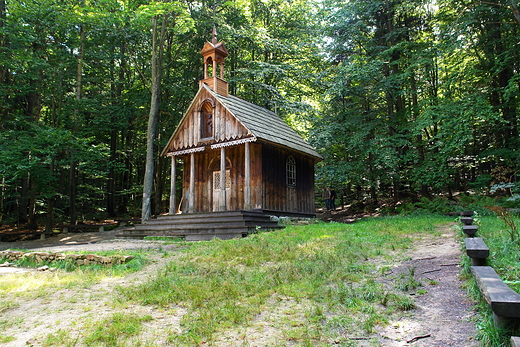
(204, 226)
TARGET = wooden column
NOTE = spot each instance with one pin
(191, 195)
(172, 188)
(247, 183)
(222, 202)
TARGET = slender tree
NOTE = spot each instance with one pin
(153, 118)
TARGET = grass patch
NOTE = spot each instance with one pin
(116, 330)
(6, 338)
(225, 284)
(166, 239)
(406, 281)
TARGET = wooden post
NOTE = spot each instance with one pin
(222, 203)
(191, 196)
(247, 183)
(172, 188)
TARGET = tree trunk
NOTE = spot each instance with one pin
(4, 80)
(50, 203)
(153, 118)
(23, 206)
(31, 221)
(73, 212)
(126, 180)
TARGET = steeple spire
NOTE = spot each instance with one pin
(214, 54)
(214, 39)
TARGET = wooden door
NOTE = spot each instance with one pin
(216, 189)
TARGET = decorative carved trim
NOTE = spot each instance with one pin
(233, 143)
(186, 151)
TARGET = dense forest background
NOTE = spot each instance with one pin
(404, 99)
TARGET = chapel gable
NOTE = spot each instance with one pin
(207, 122)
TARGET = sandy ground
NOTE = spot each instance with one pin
(443, 316)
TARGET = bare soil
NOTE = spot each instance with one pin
(443, 317)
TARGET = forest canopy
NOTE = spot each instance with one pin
(403, 99)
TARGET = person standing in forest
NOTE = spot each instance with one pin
(332, 199)
(326, 197)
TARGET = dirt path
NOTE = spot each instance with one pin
(443, 314)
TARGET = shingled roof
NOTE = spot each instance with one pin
(265, 125)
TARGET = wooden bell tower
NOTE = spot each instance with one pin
(214, 54)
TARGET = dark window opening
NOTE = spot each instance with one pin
(291, 171)
(206, 121)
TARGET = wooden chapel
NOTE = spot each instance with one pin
(241, 164)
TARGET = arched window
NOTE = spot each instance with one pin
(290, 166)
(206, 121)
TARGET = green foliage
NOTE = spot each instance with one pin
(74, 92)
(476, 203)
(421, 102)
(404, 303)
(439, 205)
(402, 99)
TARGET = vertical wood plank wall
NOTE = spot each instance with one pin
(269, 188)
(277, 195)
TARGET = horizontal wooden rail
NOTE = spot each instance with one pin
(504, 301)
(477, 250)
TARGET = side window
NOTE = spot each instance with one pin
(290, 166)
(206, 121)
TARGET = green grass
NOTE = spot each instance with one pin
(326, 269)
(165, 239)
(116, 330)
(504, 254)
(6, 338)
